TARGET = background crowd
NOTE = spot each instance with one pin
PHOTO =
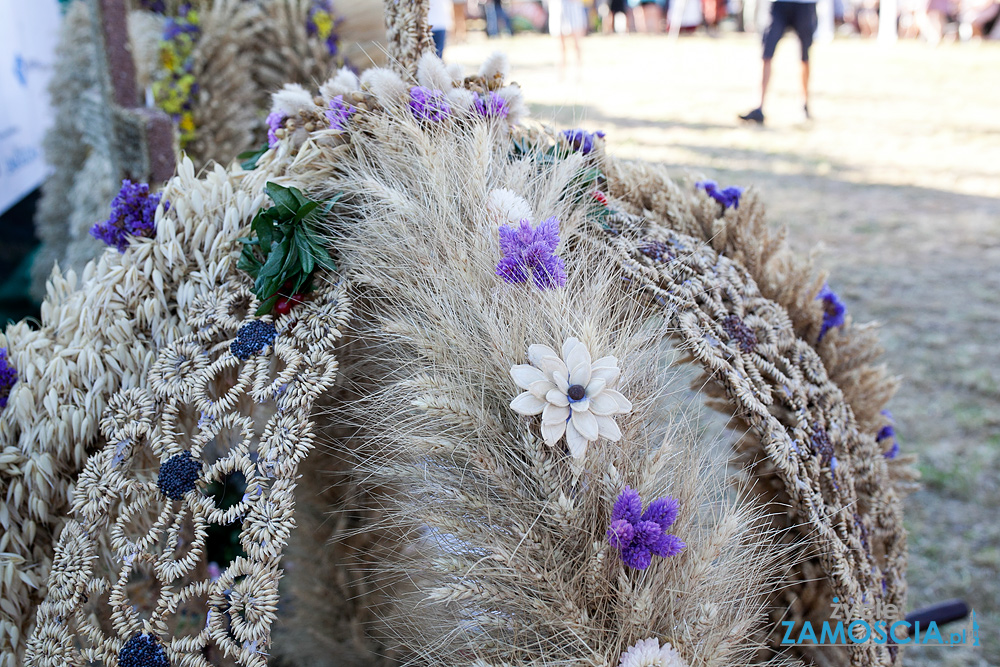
(929, 20)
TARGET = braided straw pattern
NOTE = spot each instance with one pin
(408, 33)
(99, 335)
(231, 415)
(834, 477)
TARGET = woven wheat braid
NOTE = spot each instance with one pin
(98, 335)
(408, 33)
(778, 384)
(230, 415)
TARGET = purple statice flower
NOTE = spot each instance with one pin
(728, 197)
(182, 24)
(339, 113)
(491, 105)
(530, 252)
(580, 140)
(133, 213)
(8, 377)
(888, 433)
(833, 310)
(428, 104)
(275, 121)
(641, 535)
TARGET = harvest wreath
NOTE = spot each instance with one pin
(466, 435)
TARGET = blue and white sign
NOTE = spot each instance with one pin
(29, 32)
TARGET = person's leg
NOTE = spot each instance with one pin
(765, 79)
(458, 8)
(779, 23)
(492, 29)
(805, 85)
(438, 35)
(805, 27)
(504, 18)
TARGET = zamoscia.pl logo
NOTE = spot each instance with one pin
(880, 623)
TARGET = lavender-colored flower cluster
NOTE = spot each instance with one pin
(728, 197)
(133, 212)
(491, 105)
(186, 22)
(641, 535)
(580, 140)
(275, 121)
(8, 377)
(833, 310)
(428, 104)
(888, 433)
(530, 252)
(339, 113)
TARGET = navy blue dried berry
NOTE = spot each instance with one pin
(821, 444)
(143, 651)
(178, 475)
(740, 333)
(251, 338)
(658, 251)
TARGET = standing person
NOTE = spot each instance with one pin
(610, 9)
(568, 18)
(799, 15)
(495, 15)
(439, 14)
(459, 8)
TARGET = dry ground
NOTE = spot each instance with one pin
(897, 178)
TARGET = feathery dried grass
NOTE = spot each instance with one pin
(512, 564)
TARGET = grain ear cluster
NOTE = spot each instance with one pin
(397, 507)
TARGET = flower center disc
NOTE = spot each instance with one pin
(577, 392)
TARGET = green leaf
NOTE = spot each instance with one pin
(291, 253)
(267, 305)
(305, 210)
(249, 158)
(273, 264)
(299, 197)
(300, 282)
(264, 228)
(248, 262)
(282, 197)
(305, 253)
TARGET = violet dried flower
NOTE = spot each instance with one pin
(530, 252)
(429, 104)
(888, 433)
(581, 141)
(833, 310)
(133, 213)
(339, 113)
(8, 377)
(641, 535)
(491, 105)
(728, 197)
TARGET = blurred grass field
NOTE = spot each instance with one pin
(897, 181)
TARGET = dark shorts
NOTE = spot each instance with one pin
(799, 16)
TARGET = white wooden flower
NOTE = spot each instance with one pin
(649, 653)
(574, 395)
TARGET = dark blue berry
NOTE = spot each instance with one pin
(740, 333)
(658, 251)
(821, 444)
(178, 475)
(142, 651)
(251, 338)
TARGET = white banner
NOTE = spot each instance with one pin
(29, 32)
